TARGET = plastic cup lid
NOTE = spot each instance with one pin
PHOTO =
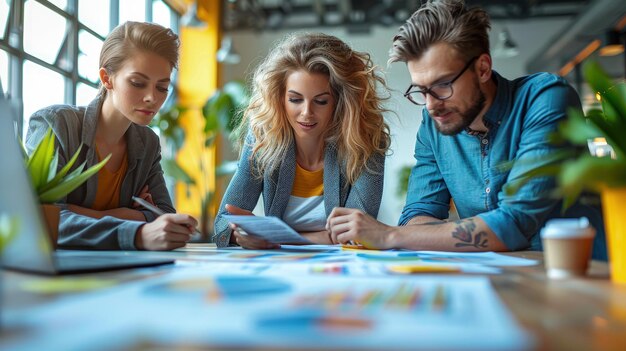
(568, 228)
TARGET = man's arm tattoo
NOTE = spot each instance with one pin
(464, 231)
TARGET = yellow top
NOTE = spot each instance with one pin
(109, 186)
(307, 183)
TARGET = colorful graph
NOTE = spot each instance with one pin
(280, 257)
(221, 288)
(334, 269)
(405, 296)
(303, 322)
(423, 257)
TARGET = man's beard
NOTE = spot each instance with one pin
(467, 117)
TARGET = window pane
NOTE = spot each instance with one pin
(84, 94)
(89, 51)
(44, 31)
(62, 4)
(95, 15)
(42, 88)
(4, 16)
(4, 70)
(161, 14)
(132, 10)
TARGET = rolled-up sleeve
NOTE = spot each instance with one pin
(107, 233)
(366, 193)
(519, 216)
(243, 191)
(427, 193)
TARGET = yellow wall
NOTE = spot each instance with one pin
(197, 80)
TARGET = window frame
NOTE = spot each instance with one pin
(13, 44)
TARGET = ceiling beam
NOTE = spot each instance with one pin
(588, 26)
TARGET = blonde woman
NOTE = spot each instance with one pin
(136, 62)
(316, 139)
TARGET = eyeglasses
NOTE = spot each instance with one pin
(440, 91)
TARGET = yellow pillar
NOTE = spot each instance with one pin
(197, 80)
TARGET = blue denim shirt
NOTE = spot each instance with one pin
(466, 168)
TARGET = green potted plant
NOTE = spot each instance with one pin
(576, 169)
(221, 115)
(51, 184)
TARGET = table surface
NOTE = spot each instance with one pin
(587, 313)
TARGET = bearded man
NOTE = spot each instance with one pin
(473, 120)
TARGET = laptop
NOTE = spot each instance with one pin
(30, 249)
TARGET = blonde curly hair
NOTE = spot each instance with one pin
(357, 128)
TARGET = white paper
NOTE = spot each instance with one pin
(270, 228)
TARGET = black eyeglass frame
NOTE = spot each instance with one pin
(408, 93)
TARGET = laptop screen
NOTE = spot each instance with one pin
(20, 213)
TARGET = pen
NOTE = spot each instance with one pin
(157, 211)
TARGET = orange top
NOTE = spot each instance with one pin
(308, 184)
(109, 186)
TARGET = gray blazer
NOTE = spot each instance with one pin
(244, 189)
(74, 126)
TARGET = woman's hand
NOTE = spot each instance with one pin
(247, 241)
(167, 232)
(234, 210)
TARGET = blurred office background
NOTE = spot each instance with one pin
(49, 54)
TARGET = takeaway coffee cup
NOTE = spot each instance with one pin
(567, 246)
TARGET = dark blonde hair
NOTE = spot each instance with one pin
(357, 127)
(442, 21)
(130, 36)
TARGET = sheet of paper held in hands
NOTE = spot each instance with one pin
(272, 229)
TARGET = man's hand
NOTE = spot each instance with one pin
(347, 224)
(167, 232)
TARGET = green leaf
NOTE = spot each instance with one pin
(226, 112)
(39, 162)
(226, 168)
(61, 174)
(602, 83)
(70, 183)
(512, 187)
(612, 113)
(173, 169)
(210, 139)
(52, 171)
(612, 133)
(212, 110)
(577, 129)
(9, 228)
(591, 173)
(178, 137)
(23, 149)
(237, 91)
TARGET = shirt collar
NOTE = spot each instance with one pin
(90, 121)
(136, 145)
(497, 111)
